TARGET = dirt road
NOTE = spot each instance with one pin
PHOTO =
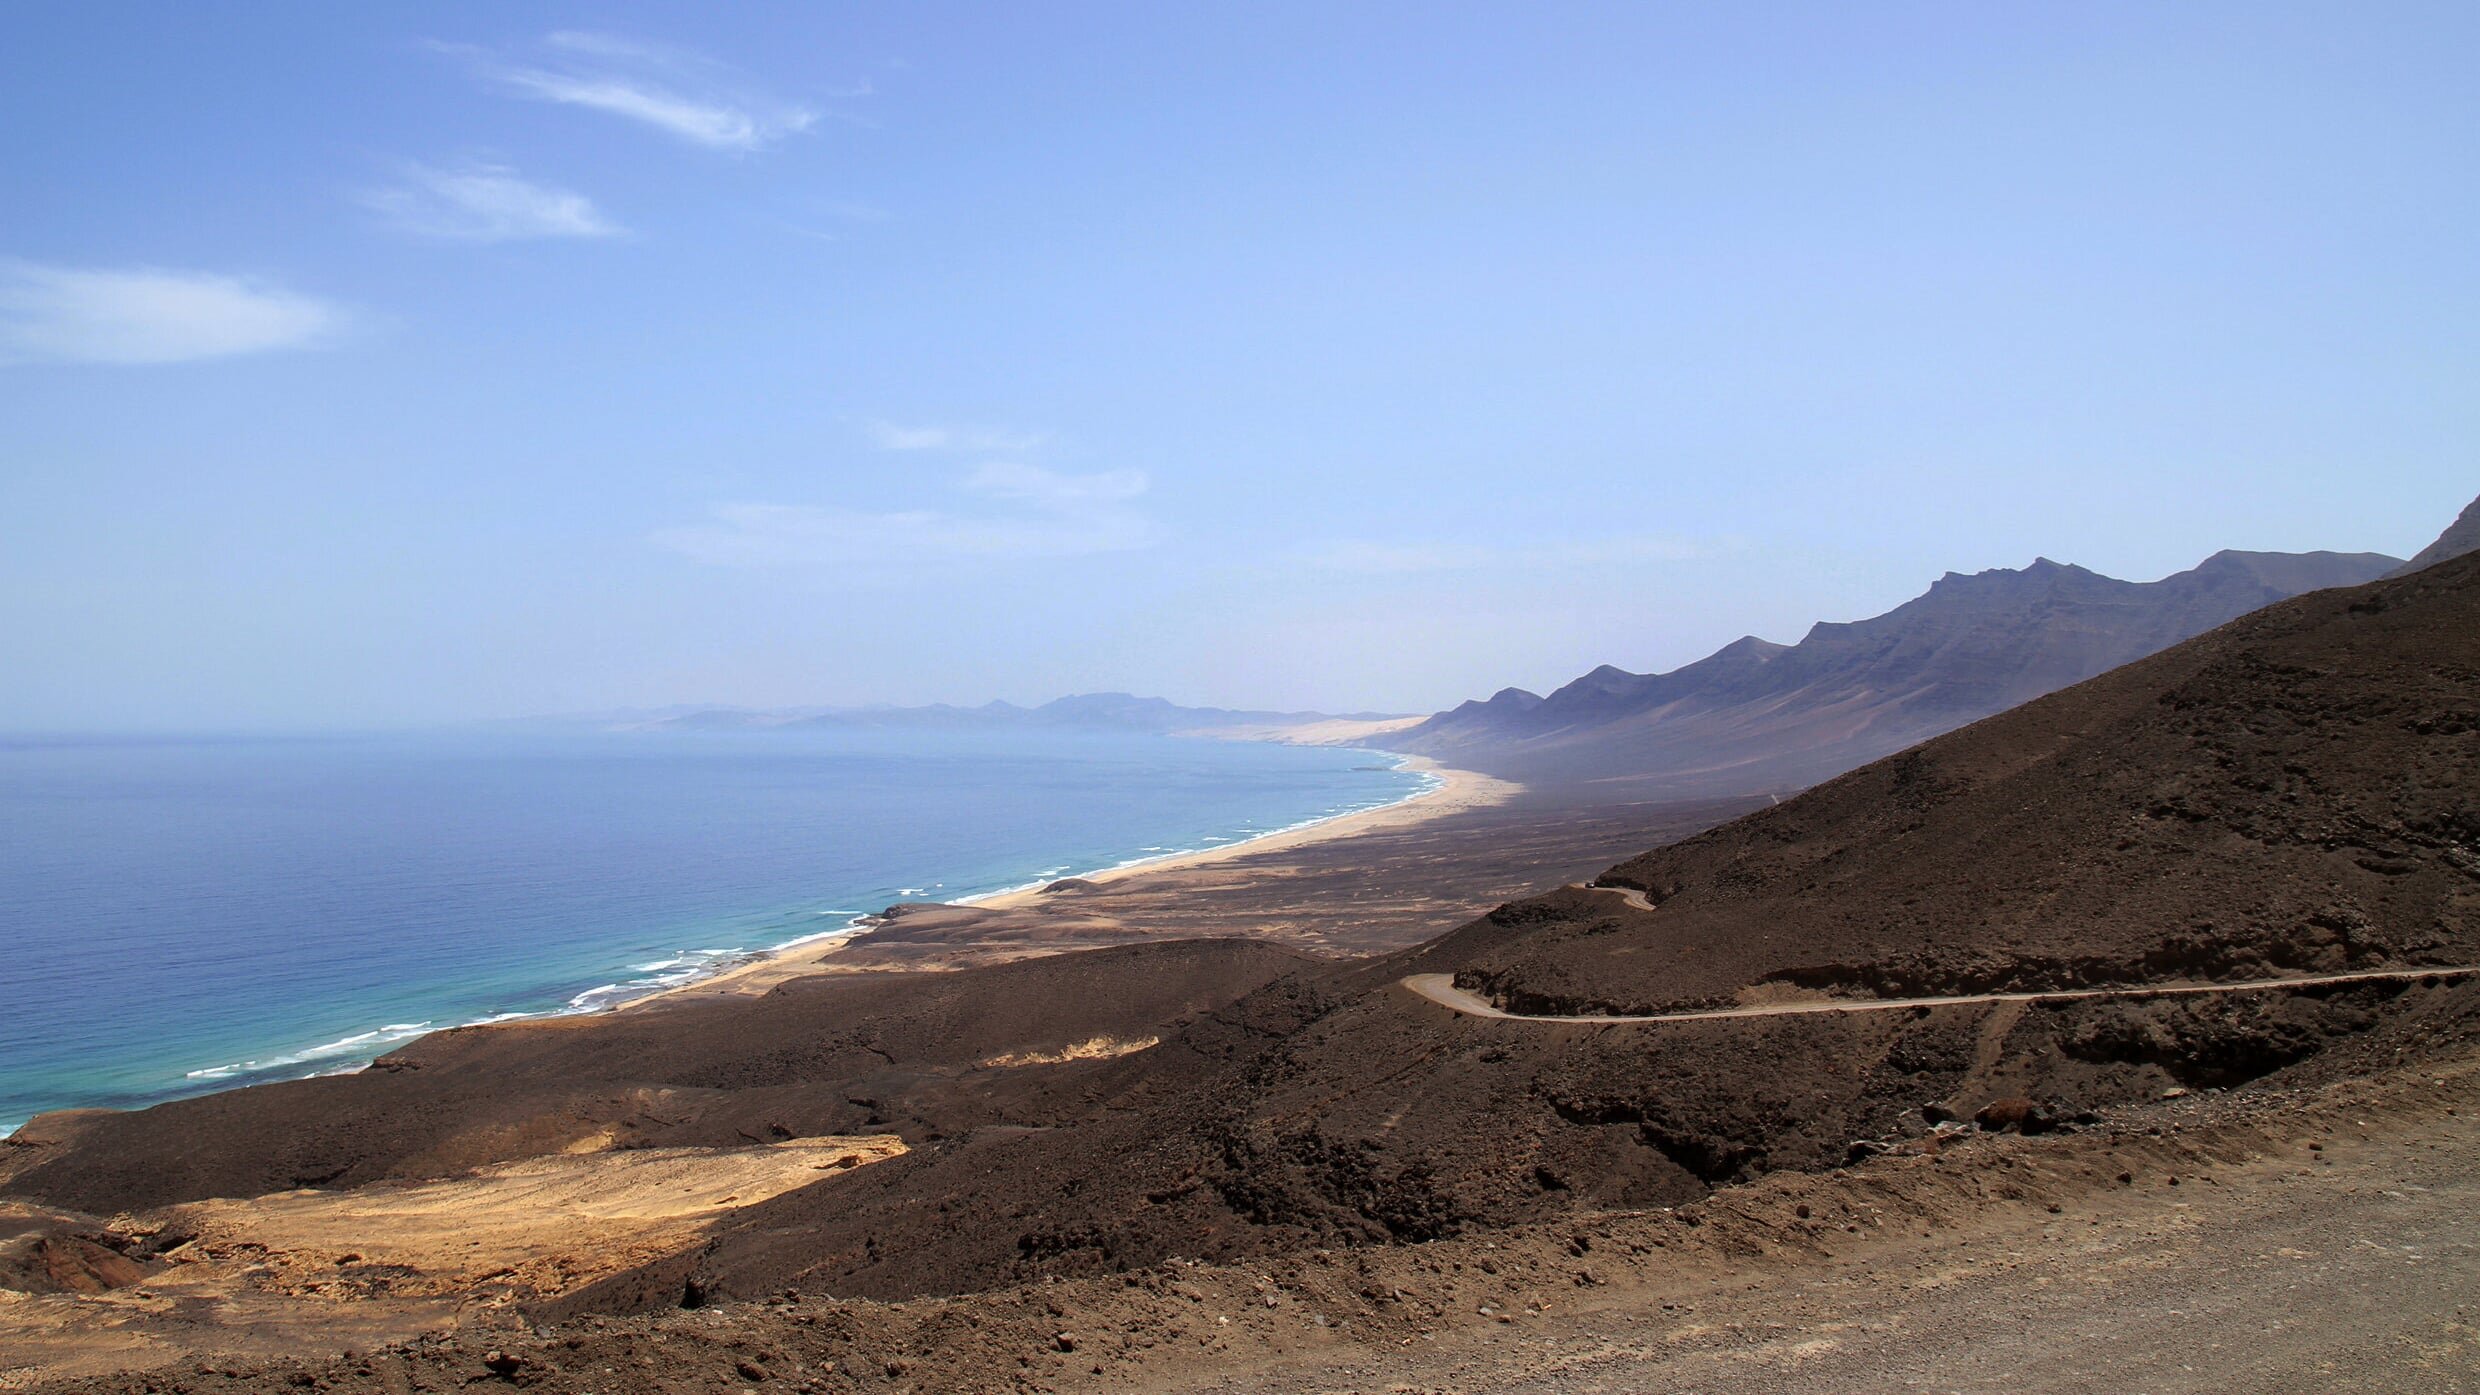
(1441, 989)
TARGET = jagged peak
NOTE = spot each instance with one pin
(1750, 644)
(2038, 566)
(2461, 536)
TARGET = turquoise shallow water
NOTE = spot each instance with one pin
(185, 915)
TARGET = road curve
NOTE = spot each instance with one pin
(1441, 989)
(1628, 894)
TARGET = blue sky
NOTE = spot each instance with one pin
(370, 364)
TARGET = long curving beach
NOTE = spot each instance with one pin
(1451, 793)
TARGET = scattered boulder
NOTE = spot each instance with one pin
(2014, 1113)
(67, 1264)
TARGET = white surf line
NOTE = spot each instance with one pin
(1441, 989)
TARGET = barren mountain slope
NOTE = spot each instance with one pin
(1757, 716)
(2295, 790)
(2460, 537)
(919, 1054)
(2303, 780)
(2299, 790)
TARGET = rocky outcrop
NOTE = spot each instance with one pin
(2460, 537)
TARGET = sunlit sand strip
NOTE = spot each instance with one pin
(315, 1271)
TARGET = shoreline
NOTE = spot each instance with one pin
(1453, 791)
(755, 971)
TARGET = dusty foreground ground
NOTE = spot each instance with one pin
(2335, 1248)
(308, 1270)
(2317, 1239)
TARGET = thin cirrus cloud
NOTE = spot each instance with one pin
(976, 439)
(55, 314)
(485, 203)
(682, 94)
(1027, 513)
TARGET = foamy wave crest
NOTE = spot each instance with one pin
(369, 1043)
(686, 966)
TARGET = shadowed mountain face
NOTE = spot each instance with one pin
(2460, 537)
(1757, 716)
(2296, 792)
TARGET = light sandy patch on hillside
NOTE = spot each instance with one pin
(1096, 1049)
(320, 1271)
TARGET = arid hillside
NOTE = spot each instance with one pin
(925, 1055)
(2298, 791)
(1763, 717)
(2288, 796)
(2291, 793)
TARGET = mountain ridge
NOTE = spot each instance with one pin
(2460, 537)
(1760, 716)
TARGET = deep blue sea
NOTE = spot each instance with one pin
(185, 915)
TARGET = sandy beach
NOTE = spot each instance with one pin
(1457, 791)
(1454, 792)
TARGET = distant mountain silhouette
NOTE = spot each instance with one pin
(1757, 716)
(1079, 712)
(2460, 536)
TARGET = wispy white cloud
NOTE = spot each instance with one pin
(149, 315)
(676, 91)
(966, 439)
(1051, 490)
(1053, 515)
(486, 203)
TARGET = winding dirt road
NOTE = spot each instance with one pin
(1441, 989)
(1634, 898)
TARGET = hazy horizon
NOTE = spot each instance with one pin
(388, 365)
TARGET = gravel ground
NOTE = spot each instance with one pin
(2352, 1266)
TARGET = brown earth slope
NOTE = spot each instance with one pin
(2297, 791)
(2300, 1241)
(921, 1054)
(2294, 791)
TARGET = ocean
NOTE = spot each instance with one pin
(181, 915)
